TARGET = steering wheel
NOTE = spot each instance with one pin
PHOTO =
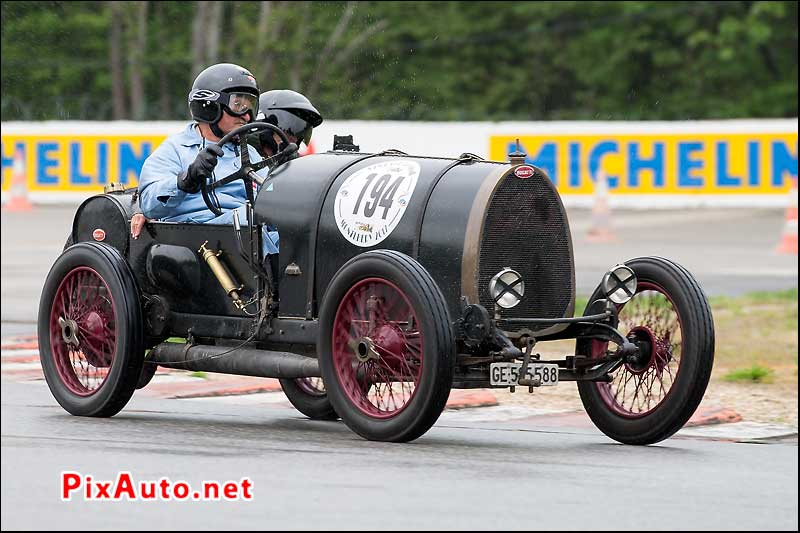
(247, 171)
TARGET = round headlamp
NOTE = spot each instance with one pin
(619, 284)
(507, 288)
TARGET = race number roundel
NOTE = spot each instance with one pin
(371, 201)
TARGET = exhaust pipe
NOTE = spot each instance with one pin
(245, 361)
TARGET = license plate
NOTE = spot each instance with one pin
(507, 374)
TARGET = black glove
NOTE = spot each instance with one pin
(289, 152)
(200, 169)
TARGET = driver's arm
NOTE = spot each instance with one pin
(159, 194)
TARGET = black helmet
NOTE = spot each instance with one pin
(223, 84)
(290, 111)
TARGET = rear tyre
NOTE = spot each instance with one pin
(148, 371)
(669, 317)
(90, 330)
(308, 396)
(387, 353)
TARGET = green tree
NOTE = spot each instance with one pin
(409, 60)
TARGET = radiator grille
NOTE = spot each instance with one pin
(526, 228)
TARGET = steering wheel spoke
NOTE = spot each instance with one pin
(239, 174)
(261, 164)
(240, 135)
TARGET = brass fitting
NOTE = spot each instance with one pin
(113, 187)
(517, 157)
(222, 275)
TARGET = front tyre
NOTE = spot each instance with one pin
(90, 330)
(387, 353)
(670, 319)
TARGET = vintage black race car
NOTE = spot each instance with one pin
(398, 279)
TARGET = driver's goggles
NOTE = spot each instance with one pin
(305, 135)
(293, 125)
(241, 103)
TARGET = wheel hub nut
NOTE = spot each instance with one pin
(69, 330)
(365, 350)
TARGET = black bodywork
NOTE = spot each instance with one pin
(512, 222)
(467, 219)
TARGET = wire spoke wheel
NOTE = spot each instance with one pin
(377, 348)
(90, 330)
(311, 386)
(651, 320)
(652, 396)
(387, 353)
(83, 331)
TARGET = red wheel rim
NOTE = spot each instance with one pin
(638, 389)
(311, 386)
(377, 348)
(83, 331)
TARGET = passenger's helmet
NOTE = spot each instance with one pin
(291, 112)
(223, 85)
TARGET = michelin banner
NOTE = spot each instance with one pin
(688, 165)
(725, 163)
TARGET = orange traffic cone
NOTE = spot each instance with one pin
(307, 150)
(601, 230)
(788, 244)
(18, 192)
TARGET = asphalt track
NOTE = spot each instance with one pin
(318, 475)
(466, 473)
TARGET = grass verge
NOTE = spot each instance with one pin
(756, 336)
(753, 374)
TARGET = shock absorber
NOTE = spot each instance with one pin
(221, 273)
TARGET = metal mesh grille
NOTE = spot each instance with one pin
(526, 229)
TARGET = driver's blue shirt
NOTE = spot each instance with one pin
(159, 195)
